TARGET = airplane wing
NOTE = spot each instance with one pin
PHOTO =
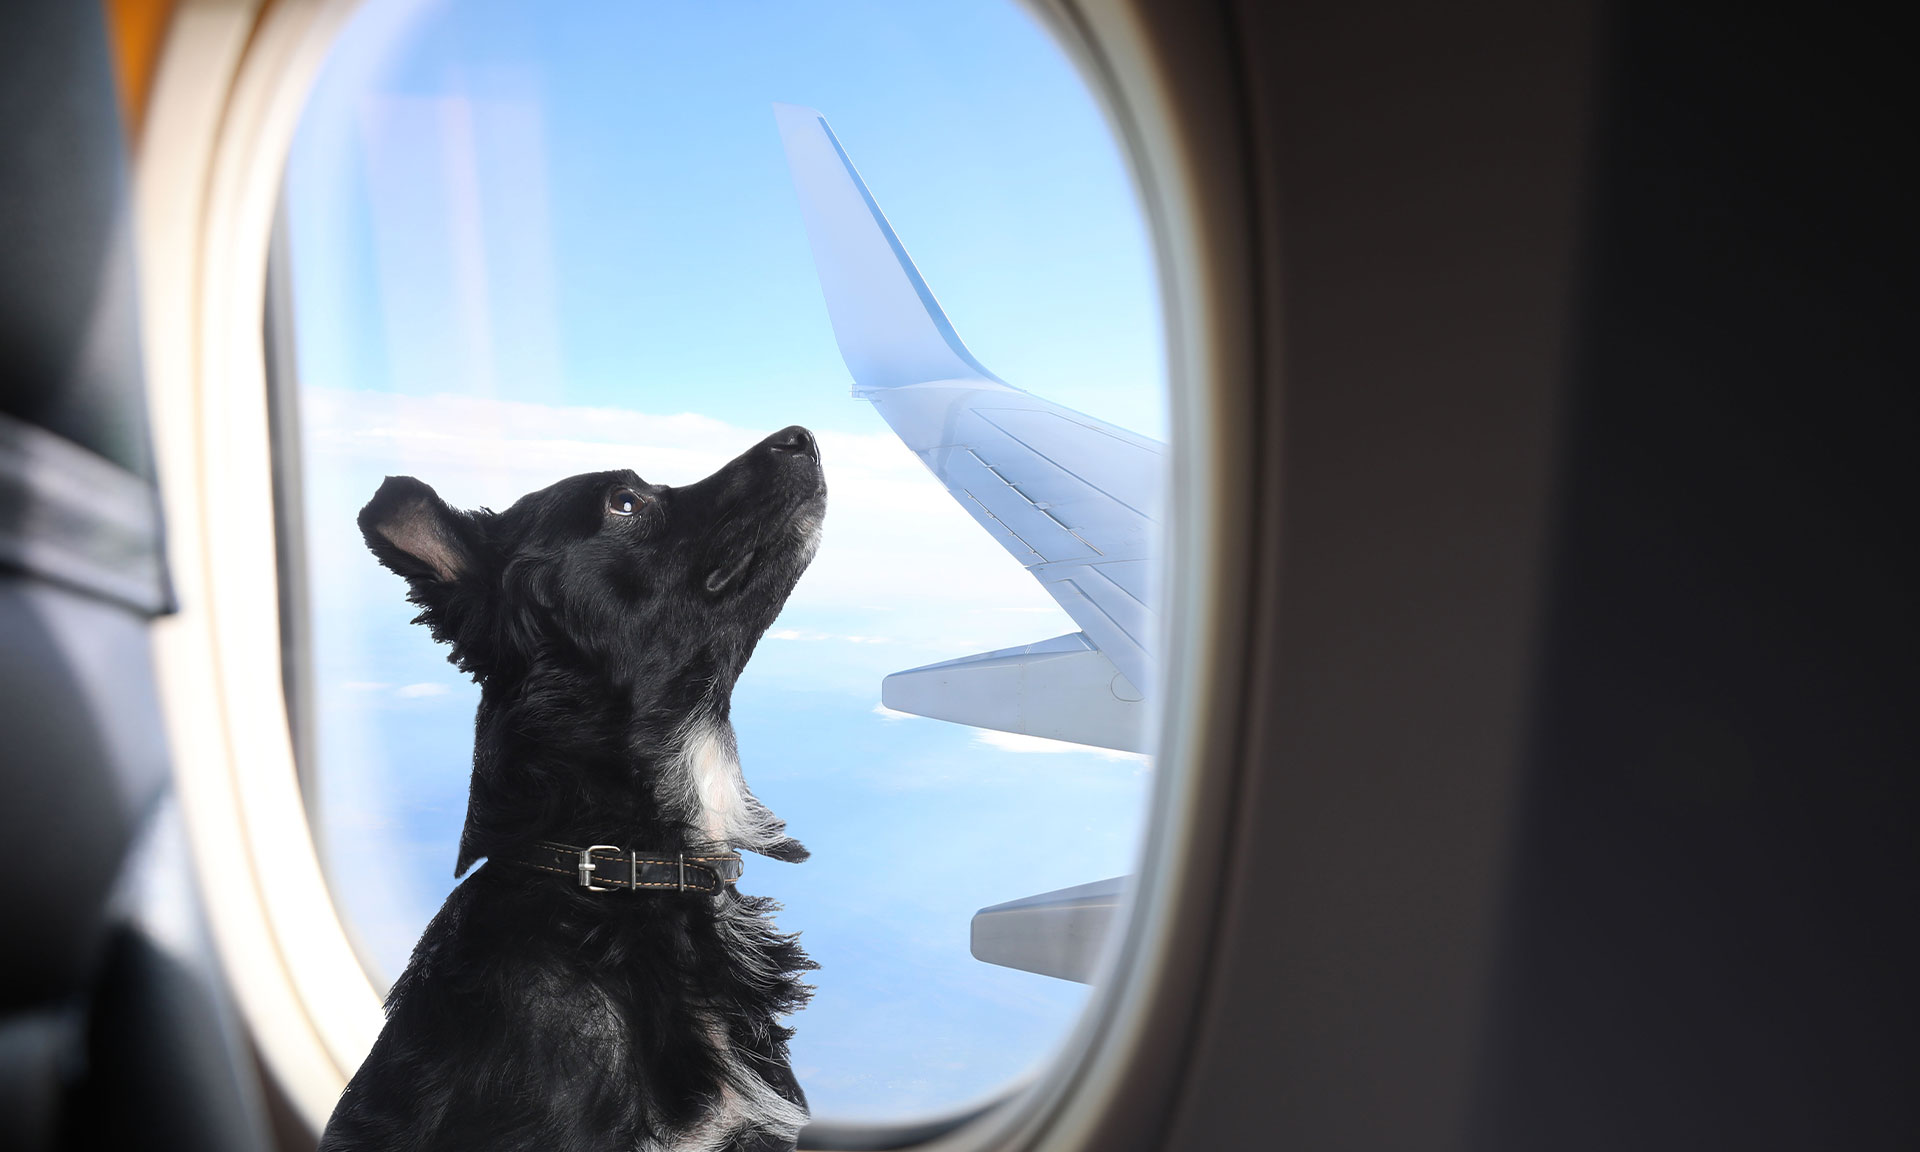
(1074, 499)
(1062, 934)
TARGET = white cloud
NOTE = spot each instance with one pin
(900, 563)
(804, 634)
(886, 713)
(421, 691)
(1017, 742)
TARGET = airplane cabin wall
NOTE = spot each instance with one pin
(1577, 802)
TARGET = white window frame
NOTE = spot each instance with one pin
(231, 81)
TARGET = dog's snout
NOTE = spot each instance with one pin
(796, 440)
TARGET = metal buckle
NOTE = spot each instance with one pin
(587, 868)
(683, 870)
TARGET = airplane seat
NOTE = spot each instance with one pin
(114, 1030)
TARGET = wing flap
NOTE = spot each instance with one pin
(1059, 689)
(1063, 934)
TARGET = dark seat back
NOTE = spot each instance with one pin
(114, 1027)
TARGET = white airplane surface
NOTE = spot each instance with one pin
(1074, 499)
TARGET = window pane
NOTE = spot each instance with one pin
(529, 241)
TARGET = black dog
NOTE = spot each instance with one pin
(606, 620)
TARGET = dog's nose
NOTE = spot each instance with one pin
(795, 439)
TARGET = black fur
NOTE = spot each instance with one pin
(535, 1015)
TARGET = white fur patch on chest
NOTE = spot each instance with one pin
(717, 795)
(712, 770)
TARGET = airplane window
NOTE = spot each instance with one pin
(526, 241)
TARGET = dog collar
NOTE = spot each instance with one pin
(611, 868)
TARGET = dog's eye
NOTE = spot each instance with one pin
(625, 502)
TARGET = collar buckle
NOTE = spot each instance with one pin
(587, 867)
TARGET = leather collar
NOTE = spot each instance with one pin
(611, 868)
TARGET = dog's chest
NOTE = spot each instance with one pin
(603, 1029)
(745, 1102)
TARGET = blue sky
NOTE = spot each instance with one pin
(533, 240)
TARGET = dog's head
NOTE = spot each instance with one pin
(604, 613)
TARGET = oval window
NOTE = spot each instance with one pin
(523, 242)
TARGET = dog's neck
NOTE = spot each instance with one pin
(561, 762)
(713, 792)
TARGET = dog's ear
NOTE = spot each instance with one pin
(414, 533)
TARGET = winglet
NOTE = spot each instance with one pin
(890, 329)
